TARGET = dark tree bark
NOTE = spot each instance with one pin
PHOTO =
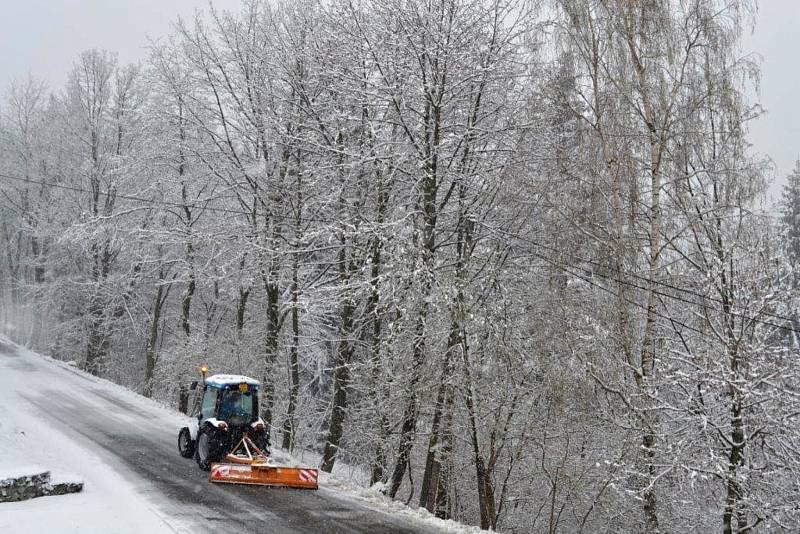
(426, 241)
(271, 342)
(98, 339)
(162, 292)
(294, 367)
(186, 302)
(430, 488)
(289, 424)
(341, 372)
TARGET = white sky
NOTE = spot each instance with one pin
(777, 40)
(43, 38)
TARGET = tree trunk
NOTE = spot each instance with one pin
(429, 491)
(733, 490)
(374, 313)
(150, 355)
(241, 308)
(186, 303)
(271, 344)
(341, 373)
(409, 421)
(485, 493)
(294, 368)
(99, 343)
(439, 498)
(426, 241)
(152, 340)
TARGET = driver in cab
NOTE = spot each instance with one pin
(236, 403)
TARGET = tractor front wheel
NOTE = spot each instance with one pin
(185, 443)
(208, 448)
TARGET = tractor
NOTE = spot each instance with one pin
(228, 438)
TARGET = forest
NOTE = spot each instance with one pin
(511, 258)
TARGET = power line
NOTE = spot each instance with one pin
(160, 202)
(668, 286)
(528, 240)
(564, 268)
(588, 280)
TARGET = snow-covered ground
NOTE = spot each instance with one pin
(116, 499)
(108, 503)
(349, 482)
(373, 498)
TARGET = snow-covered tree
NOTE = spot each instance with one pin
(508, 260)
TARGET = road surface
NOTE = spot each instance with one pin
(141, 447)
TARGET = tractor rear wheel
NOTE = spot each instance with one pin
(208, 448)
(185, 443)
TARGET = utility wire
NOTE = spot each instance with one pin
(666, 285)
(545, 258)
(588, 279)
(156, 201)
(559, 265)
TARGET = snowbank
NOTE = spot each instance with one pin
(348, 483)
(373, 498)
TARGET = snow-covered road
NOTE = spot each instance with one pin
(123, 447)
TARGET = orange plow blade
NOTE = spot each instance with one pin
(247, 464)
(264, 475)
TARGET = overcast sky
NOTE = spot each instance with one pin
(43, 37)
(777, 40)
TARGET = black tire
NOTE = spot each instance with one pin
(208, 448)
(185, 443)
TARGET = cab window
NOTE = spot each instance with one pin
(209, 402)
(236, 403)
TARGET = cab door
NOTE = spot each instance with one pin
(208, 407)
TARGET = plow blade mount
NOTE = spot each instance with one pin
(264, 475)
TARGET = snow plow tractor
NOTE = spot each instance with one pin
(229, 439)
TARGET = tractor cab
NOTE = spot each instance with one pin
(231, 399)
